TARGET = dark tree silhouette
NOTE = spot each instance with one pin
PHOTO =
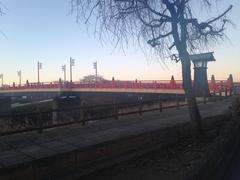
(2, 8)
(92, 79)
(168, 26)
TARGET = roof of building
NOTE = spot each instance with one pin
(203, 56)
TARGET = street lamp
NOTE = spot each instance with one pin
(95, 67)
(72, 63)
(19, 74)
(1, 77)
(64, 72)
(39, 67)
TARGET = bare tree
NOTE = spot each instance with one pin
(92, 79)
(2, 8)
(168, 26)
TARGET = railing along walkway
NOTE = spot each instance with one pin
(40, 120)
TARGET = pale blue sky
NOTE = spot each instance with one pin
(44, 30)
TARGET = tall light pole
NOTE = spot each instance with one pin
(95, 67)
(39, 67)
(1, 77)
(64, 72)
(19, 74)
(72, 63)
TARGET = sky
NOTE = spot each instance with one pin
(46, 31)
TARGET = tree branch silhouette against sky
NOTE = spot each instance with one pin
(163, 25)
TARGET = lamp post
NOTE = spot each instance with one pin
(1, 77)
(64, 72)
(39, 67)
(200, 73)
(19, 74)
(72, 63)
(95, 67)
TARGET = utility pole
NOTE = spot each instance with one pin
(19, 74)
(39, 67)
(1, 77)
(72, 63)
(95, 67)
(64, 72)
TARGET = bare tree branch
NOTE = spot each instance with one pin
(168, 26)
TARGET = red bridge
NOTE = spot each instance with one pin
(148, 86)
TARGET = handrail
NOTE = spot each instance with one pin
(140, 84)
(139, 105)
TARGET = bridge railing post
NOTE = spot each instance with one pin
(140, 105)
(220, 93)
(214, 93)
(160, 106)
(84, 114)
(39, 120)
(226, 92)
(178, 103)
(116, 108)
(204, 99)
(214, 96)
(230, 91)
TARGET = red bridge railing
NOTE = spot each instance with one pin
(214, 85)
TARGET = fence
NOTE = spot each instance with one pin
(214, 85)
(40, 120)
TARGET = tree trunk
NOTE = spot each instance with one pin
(189, 92)
(180, 32)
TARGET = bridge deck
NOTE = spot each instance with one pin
(28, 154)
(117, 90)
(143, 86)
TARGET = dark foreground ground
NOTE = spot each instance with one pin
(233, 170)
(181, 161)
(173, 163)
